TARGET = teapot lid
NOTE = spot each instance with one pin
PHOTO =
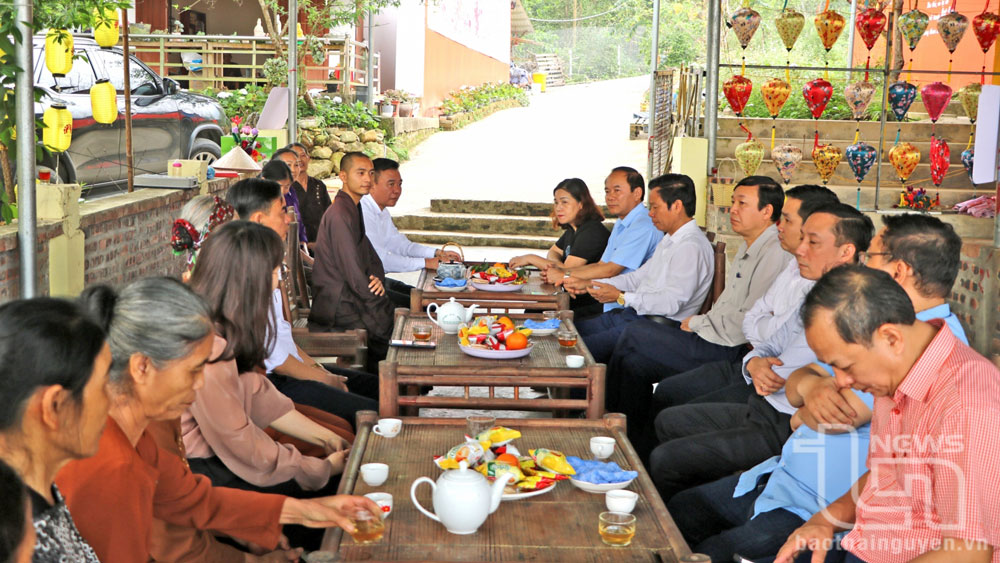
(462, 474)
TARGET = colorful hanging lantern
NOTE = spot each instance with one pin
(904, 158)
(951, 27)
(968, 160)
(859, 96)
(744, 22)
(817, 94)
(829, 24)
(986, 26)
(901, 95)
(789, 24)
(104, 101)
(870, 25)
(786, 158)
(775, 92)
(58, 52)
(860, 157)
(935, 97)
(106, 31)
(912, 26)
(749, 155)
(969, 96)
(940, 156)
(826, 158)
(737, 90)
(58, 130)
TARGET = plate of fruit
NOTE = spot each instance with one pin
(494, 338)
(497, 277)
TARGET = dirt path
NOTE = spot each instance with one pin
(521, 154)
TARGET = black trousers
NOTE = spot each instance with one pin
(330, 399)
(298, 536)
(398, 292)
(715, 382)
(702, 442)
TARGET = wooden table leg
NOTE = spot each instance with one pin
(595, 391)
(388, 389)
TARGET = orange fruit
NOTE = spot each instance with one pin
(506, 322)
(517, 341)
(508, 458)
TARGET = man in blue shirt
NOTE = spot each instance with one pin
(751, 514)
(633, 238)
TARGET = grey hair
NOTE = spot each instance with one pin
(160, 318)
(198, 211)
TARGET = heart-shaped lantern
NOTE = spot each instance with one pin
(858, 96)
(951, 27)
(870, 24)
(749, 156)
(789, 24)
(940, 156)
(860, 157)
(912, 26)
(817, 94)
(969, 96)
(901, 95)
(826, 158)
(968, 159)
(829, 24)
(775, 92)
(737, 90)
(935, 96)
(786, 158)
(744, 23)
(904, 158)
(986, 26)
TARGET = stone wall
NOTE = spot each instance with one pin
(327, 145)
(975, 298)
(126, 237)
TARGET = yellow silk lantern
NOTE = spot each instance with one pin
(106, 30)
(58, 131)
(104, 101)
(58, 52)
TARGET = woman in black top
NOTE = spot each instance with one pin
(582, 242)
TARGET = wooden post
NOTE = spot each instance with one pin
(130, 170)
(416, 299)
(388, 389)
(595, 391)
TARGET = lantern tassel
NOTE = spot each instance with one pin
(857, 133)
(816, 139)
(909, 69)
(858, 205)
(772, 135)
(744, 127)
(972, 135)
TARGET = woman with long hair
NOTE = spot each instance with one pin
(582, 242)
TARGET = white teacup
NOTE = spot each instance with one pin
(602, 447)
(574, 361)
(388, 427)
(620, 500)
(383, 500)
(374, 474)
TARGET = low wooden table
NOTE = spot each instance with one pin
(557, 526)
(447, 365)
(537, 295)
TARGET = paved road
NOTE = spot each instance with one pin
(521, 154)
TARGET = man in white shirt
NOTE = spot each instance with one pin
(396, 251)
(673, 283)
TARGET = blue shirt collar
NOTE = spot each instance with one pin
(942, 311)
(633, 215)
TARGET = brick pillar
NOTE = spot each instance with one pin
(61, 202)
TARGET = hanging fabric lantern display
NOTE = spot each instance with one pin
(940, 157)
(968, 160)
(860, 157)
(58, 52)
(969, 96)
(775, 92)
(912, 26)
(826, 158)
(858, 95)
(904, 158)
(901, 95)
(935, 96)
(106, 30)
(829, 24)
(749, 155)
(737, 91)
(870, 25)
(744, 22)
(786, 158)
(104, 101)
(985, 26)
(58, 130)
(817, 94)
(951, 27)
(789, 24)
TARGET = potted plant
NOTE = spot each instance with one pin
(395, 97)
(385, 107)
(406, 106)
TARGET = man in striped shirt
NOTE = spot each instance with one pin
(934, 459)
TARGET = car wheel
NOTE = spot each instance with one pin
(206, 150)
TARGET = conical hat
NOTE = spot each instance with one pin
(238, 160)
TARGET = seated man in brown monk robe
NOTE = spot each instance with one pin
(348, 276)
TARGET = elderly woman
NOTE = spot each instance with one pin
(199, 217)
(59, 405)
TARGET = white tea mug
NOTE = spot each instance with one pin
(574, 361)
(374, 474)
(602, 447)
(620, 500)
(384, 502)
(388, 427)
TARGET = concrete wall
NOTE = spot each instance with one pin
(126, 237)
(450, 65)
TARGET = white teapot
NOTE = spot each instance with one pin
(451, 315)
(462, 498)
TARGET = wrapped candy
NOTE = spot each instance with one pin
(530, 468)
(469, 451)
(552, 460)
(498, 436)
(495, 469)
(534, 483)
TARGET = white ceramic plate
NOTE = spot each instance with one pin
(449, 288)
(602, 488)
(496, 354)
(497, 287)
(518, 496)
(543, 331)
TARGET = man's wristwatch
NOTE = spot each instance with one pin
(621, 298)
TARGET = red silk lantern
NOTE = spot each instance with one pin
(817, 94)
(940, 156)
(870, 24)
(935, 97)
(986, 27)
(737, 90)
